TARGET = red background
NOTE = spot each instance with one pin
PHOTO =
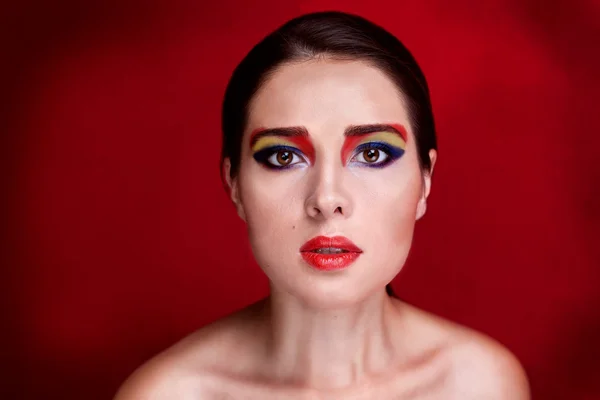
(118, 239)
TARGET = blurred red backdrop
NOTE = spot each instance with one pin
(118, 239)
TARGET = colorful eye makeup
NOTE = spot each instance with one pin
(365, 144)
(375, 146)
(281, 148)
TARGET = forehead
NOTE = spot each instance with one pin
(327, 95)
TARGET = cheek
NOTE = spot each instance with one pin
(392, 217)
(402, 231)
(396, 220)
(271, 210)
(273, 213)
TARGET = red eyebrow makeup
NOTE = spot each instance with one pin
(393, 134)
(262, 138)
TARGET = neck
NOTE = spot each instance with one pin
(330, 348)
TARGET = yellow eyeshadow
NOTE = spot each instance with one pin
(270, 141)
(388, 137)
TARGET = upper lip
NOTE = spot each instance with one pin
(339, 242)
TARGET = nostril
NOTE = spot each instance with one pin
(339, 209)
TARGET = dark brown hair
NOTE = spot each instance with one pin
(335, 35)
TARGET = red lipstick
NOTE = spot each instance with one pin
(330, 253)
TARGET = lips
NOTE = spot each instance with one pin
(330, 253)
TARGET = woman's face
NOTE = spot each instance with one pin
(328, 151)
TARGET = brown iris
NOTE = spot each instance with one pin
(371, 155)
(284, 157)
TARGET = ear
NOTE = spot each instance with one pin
(422, 205)
(232, 185)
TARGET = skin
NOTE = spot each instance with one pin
(334, 334)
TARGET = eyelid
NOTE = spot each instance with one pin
(378, 145)
(273, 141)
(272, 149)
(388, 138)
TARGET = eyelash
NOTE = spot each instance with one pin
(262, 156)
(392, 153)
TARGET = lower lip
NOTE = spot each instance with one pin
(329, 262)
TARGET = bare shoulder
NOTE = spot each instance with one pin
(484, 368)
(177, 372)
(479, 367)
(192, 368)
(158, 379)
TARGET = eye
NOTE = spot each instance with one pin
(279, 157)
(376, 154)
(284, 158)
(371, 156)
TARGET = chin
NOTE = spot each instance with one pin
(329, 288)
(331, 292)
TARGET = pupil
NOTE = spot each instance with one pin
(371, 155)
(284, 157)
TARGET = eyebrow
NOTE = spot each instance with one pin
(294, 131)
(361, 130)
(351, 131)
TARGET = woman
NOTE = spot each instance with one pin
(328, 152)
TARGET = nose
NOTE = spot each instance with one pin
(329, 197)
